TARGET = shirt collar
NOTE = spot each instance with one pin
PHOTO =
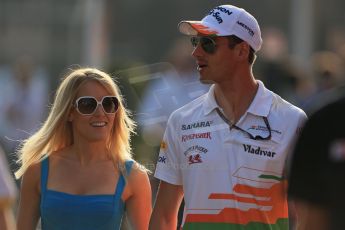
(260, 106)
(210, 102)
(262, 102)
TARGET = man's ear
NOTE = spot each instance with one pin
(243, 52)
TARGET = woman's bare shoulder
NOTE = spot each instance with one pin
(32, 176)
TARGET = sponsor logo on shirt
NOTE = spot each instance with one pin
(192, 159)
(258, 151)
(196, 148)
(263, 128)
(193, 136)
(195, 125)
(162, 159)
(194, 154)
(163, 146)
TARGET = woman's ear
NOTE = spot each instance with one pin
(70, 116)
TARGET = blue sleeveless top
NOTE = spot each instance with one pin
(63, 211)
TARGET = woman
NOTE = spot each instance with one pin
(77, 169)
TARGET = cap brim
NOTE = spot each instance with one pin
(196, 27)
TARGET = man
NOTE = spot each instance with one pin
(8, 194)
(225, 152)
(318, 170)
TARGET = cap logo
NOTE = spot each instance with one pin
(216, 14)
(250, 31)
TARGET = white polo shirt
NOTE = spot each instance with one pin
(229, 179)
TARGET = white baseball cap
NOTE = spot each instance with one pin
(226, 20)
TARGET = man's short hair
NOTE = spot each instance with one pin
(234, 40)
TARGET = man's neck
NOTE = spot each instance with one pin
(235, 97)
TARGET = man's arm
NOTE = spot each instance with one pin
(167, 204)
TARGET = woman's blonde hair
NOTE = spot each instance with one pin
(56, 131)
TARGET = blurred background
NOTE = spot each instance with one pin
(302, 57)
